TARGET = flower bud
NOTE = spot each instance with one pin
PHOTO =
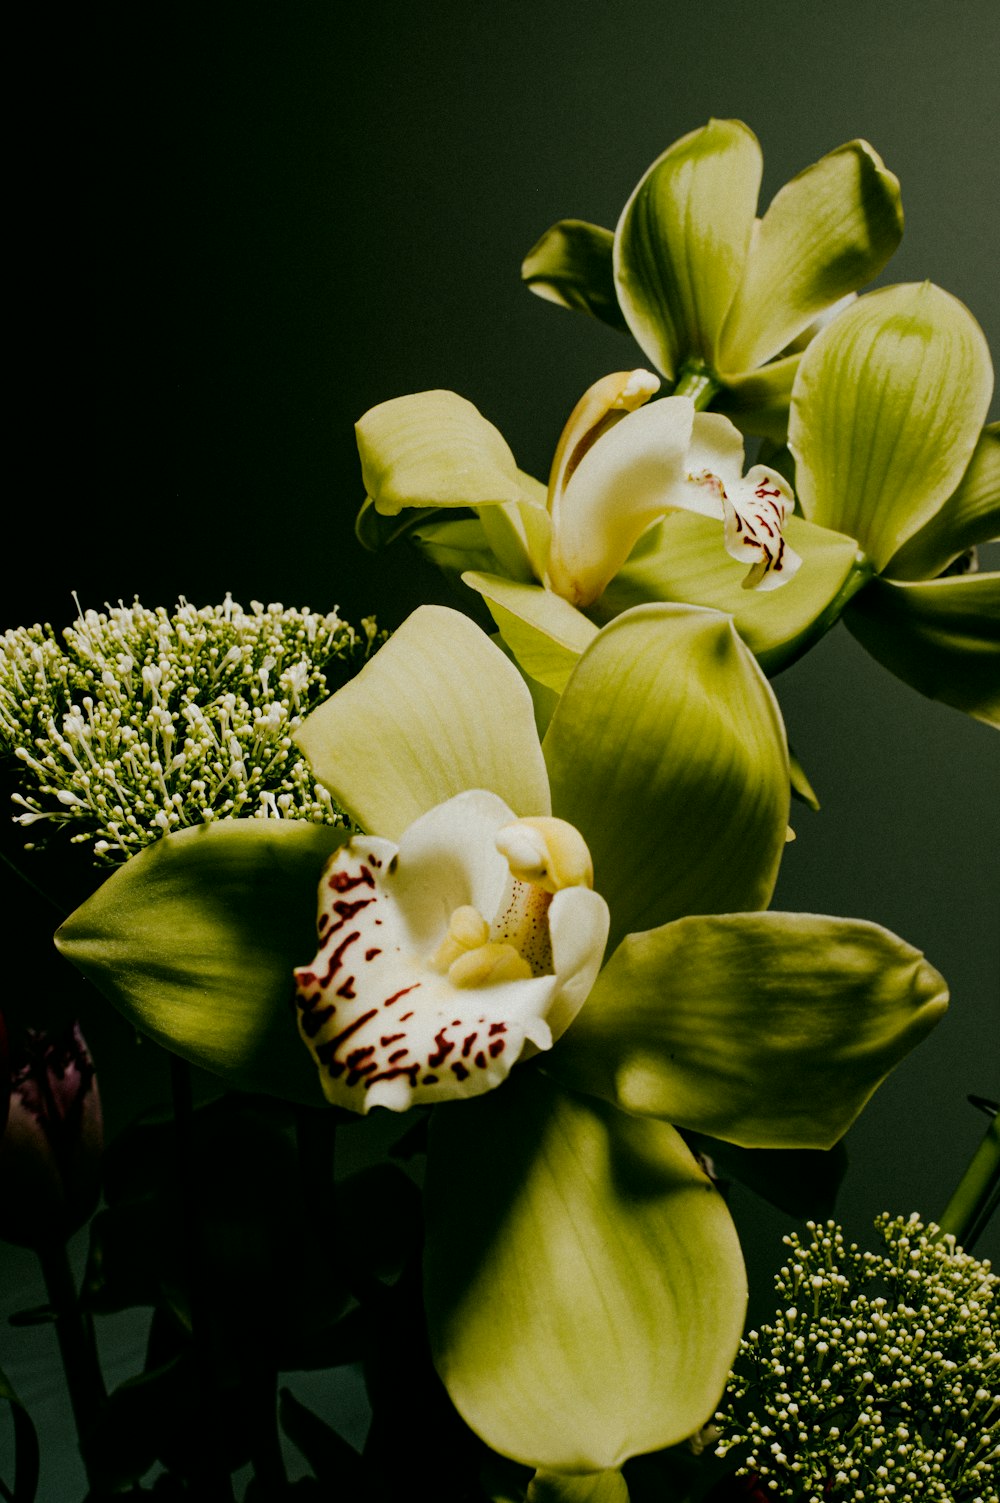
(50, 1151)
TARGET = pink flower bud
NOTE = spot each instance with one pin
(51, 1149)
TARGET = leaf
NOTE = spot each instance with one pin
(765, 1029)
(195, 940)
(572, 265)
(684, 560)
(584, 1285)
(334, 1462)
(667, 752)
(437, 711)
(682, 241)
(26, 1451)
(826, 233)
(942, 637)
(886, 410)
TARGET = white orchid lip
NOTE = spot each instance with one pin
(438, 966)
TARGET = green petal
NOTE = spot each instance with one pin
(454, 544)
(684, 560)
(769, 1030)
(942, 637)
(682, 241)
(518, 531)
(195, 940)
(572, 265)
(592, 1487)
(757, 402)
(438, 710)
(584, 1285)
(667, 752)
(434, 449)
(886, 410)
(828, 232)
(970, 515)
(544, 632)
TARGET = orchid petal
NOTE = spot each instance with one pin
(544, 632)
(679, 785)
(572, 265)
(434, 449)
(682, 241)
(970, 515)
(887, 407)
(381, 1009)
(826, 233)
(419, 724)
(766, 1030)
(564, 1487)
(616, 491)
(194, 941)
(755, 510)
(757, 401)
(941, 637)
(681, 560)
(583, 1280)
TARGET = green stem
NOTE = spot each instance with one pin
(861, 573)
(696, 381)
(77, 1347)
(975, 1196)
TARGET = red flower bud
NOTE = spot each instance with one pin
(50, 1151)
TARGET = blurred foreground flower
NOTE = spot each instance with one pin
(877, 1378)
(720, 301)
(565, 1215)
(145, 721)
(50, 1152)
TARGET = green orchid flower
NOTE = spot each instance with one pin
(583, 1281)
(722, 302)
(887, 433)
(553, 562)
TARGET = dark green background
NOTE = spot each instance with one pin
(288, 213)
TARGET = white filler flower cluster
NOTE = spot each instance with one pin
(878, 1378)
(142, 721)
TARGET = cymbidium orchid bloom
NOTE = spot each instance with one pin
(583, 1282)
(722, 302)
(622, 464)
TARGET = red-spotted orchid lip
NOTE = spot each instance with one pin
(441, 959)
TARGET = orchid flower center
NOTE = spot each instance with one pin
(444, 959)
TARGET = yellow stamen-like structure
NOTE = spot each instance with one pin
(546, 852)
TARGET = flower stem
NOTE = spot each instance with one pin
(697, 382)
(77, 1347)
(975, 1196)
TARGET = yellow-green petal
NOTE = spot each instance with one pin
(766, 1030)
(682, 241)
(195, 939)
(544, 632)
(583, 1280)
(433, 448)
(941, 637)
(683, 559)
(970, 515)
(571, 265)
(826, 233)
(438, 710)
(667, 752)
(886, 410)
(591, 1487)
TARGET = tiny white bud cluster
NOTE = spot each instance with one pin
(878, 1377)
(141, 721)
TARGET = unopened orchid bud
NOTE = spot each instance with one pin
(51, 1148)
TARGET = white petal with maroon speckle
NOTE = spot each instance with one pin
(385, 1024)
